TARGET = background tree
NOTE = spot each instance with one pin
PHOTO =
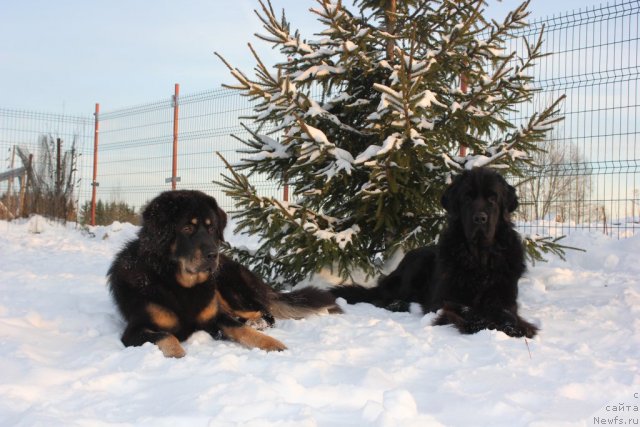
(558, 184)
(108, 212)
(365, 123)
(51, 179)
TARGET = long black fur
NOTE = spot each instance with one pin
(172, 280)
(472, 274)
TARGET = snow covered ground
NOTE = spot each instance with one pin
(62, 363)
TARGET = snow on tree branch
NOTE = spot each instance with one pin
(365, 121)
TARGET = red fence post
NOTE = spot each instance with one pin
(463, 88)
(94, 183)
(174, 168)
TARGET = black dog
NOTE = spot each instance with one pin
(172, 280)
(472, 273)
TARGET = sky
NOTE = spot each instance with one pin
(64, 56)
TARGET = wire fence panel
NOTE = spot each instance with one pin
(588, 175)
(208, 121)
(136, 147)
(135, 153)
(31, 133)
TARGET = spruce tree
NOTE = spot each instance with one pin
(365, 123)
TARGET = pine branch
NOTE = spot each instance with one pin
(536, 247)
(367, 141)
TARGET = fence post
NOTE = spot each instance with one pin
(23, 189)
(463, 89)
(10, 184)
(174, 167)
(94, 183)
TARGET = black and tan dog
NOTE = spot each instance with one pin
(472, 273)
(172, 280)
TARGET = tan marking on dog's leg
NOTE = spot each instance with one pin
(210, 311)
(170, 347)
(223, 304)
(248, 315)
(243, 314)
(253, 339)
(162, 317)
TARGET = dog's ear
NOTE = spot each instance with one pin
(512, 198)
(157, 225)
(222, 216)
(510, 202)
(446, 199)
(161, 210)
(449, 199)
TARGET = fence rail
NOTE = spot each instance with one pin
(590, 176)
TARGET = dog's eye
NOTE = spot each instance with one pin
(188, 229)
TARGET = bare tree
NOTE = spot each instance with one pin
(51, 178)
(558, 184)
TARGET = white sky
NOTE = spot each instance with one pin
(63, 56)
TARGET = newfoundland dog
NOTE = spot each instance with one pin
(471, 275)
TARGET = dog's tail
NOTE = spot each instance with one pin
(302, 303)
(378, 296)
(357, 293)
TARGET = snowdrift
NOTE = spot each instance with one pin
(62, 363)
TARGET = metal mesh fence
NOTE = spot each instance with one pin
(30, 132)
(589, 176)
(136, 144)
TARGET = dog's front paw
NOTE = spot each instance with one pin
(170, 347)
(398, 306)
(464, 318)
(512, 330)
(518, 330)
(472, 325)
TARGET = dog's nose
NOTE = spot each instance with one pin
(480, 218)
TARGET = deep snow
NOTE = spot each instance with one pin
(62, 363)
